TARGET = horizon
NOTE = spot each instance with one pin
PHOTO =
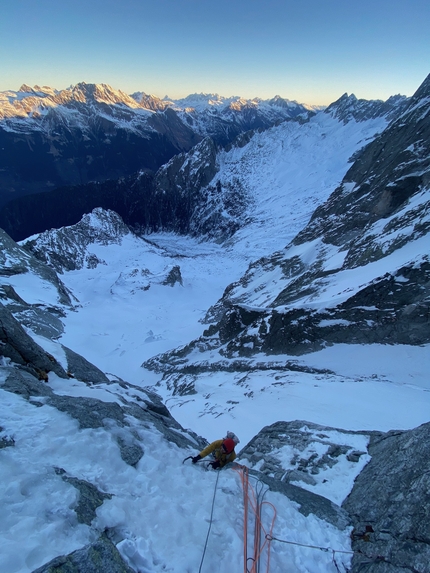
(310, 54)
(168, 97)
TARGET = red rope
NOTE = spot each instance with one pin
(256, 507)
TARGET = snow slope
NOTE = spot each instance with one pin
(160, 510)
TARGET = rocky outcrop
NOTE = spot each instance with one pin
(66, 249)
(19, 347)
(14, 260)
(90, 497)
(308, 450)
(296, 458)
(390, 505)
(95, 558)
(19, 266)
(174, 276)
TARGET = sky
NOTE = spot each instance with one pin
(311, 52)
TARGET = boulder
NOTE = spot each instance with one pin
(95, 558)
(17, 345)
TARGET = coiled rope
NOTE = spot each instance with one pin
(254, 501)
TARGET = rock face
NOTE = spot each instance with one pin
(19, 347)
(41, 315)
(390, 505)
(14, 260)
(66, 249)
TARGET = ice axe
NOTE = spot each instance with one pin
(191, 457)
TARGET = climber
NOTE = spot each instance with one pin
(221, 450)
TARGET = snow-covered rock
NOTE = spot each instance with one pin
(66, 249)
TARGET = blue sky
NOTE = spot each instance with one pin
(310, 51)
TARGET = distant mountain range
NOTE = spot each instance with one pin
(91, 132)
(65, 153)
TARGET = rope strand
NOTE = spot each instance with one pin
(210, 523)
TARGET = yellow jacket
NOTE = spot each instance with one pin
(218, 453)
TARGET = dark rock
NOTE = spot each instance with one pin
(90, 498)
(99, 557)
(80, 368)
(390, 496)
(17, 345)
(89, 412)
(174, 276)
(43, 321)
(310, 503)
(16, 260)
(354, 456)
(5, 440)
(24, 383)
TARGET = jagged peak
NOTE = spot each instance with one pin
(25, 88)
(423, 90)
(349, 107)
(151, 101)
(37, 90)
(282, 102)
(84, 92)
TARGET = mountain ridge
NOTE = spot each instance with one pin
(17, 216)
